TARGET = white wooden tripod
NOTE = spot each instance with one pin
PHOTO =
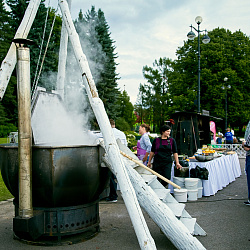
(145, 240)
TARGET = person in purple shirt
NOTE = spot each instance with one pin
(229, 136)
(162, 149)
(140, 152)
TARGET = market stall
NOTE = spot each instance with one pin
(222, 171)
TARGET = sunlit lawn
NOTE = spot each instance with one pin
(4, 193)
(3, 140)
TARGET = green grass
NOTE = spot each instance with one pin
(3, 140)
(4, 192)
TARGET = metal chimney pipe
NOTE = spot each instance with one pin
(24, 129)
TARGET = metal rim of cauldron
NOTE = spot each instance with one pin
(15, 145)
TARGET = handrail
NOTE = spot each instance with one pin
(234, 147)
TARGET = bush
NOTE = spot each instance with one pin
(6, 129)
(121, 124)
(131, 138)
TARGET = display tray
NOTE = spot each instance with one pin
(204, 157)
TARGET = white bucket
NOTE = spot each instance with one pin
(180, 195)
(192, 194)
(191, 183)
(180, 181)
(199, 185)
(200, 192)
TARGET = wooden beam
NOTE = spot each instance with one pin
(161, 214)
(143, 235)
(150, 170)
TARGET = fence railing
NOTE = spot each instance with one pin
(234, 147)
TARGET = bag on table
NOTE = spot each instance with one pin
(201, 173)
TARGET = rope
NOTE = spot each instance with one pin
(52, 26)
(40, 53)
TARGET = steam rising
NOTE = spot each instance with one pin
(53, 125)
(57, 122)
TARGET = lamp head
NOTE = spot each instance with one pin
(191, 35)
(198, 20)
(206, 39)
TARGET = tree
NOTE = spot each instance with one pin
(100, 51)
(18, 8)
(9, 23)
(8, 107)
(122, 124)
(126, 108)
(227, 55)
(6, 33)
(155, 97)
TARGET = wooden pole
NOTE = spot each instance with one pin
(141, 229)
(60, 82)
(160, 213)
(150, 170)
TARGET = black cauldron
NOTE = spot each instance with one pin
(61, 175)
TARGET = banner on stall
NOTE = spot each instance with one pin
(213, 129)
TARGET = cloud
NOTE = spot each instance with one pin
(146, 30)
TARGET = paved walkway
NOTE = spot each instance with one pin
(224, 217)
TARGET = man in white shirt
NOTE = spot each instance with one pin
(118, 133)
(113, 182)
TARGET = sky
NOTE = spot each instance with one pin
(145, 30)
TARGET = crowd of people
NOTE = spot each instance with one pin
(229, 137)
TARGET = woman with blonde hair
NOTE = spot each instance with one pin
(144, 143)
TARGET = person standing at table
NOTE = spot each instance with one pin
(113, 181)
(162, 149)
(229, 136)
(246, 147)
(145, 143)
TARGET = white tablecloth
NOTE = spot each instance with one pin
(222, 171)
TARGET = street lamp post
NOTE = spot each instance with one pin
(226, 88)
(205, 40)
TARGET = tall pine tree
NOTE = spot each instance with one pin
(6, 33)
(9, 23)
(100, 51)
(18, 8)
